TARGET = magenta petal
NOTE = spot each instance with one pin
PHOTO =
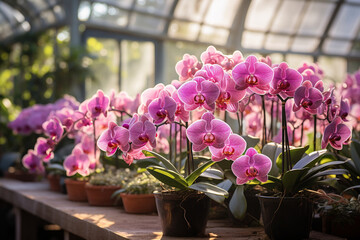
(170, 106)
(221, 131)
(262, 163)
(198, 147)
(104, 139)
(196, 131)
(240, 166)
(251, 152)
(344, 131)
(187, 92)
(153, 108)
(299, 95)
(210, 91)
(264, 73)
(239, 74)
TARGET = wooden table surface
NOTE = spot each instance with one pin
(108, 222)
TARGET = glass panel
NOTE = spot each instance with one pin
(346, 23)
(146, 23)
(104, 65)
(135, 56)
(316, 18)
(276, 58)
(336, 46)
(260, 13)
(304, 44)
(277, 42)
(353, 1)
(185, 30)
(161, 7)
(214, 35)
(222, 13)
(252, 40)
(355, 48)
(84, 11)
(122, 3)
(287, 16)
(192, 10)
(109, 14)
(296, 60)
(334, 68)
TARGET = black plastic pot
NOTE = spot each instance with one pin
(286, 218)
(183, 214)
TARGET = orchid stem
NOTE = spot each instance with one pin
(94, 132)
(283, 122)
(271, 120)
(239, 123)
(302, 133)
(264, 117)
(314, 141)
(180, 147)
(170, 143)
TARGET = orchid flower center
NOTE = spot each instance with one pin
(68, 122)
(33, 165)
(328, 102)
(75, 167)
(143, 137)
(228, 151)
(178, 109)
(199, 98)
(306, 103)
(97, 109)
(161, 113)
(125, 125)
(209, 138)
(334, 137)
(251, 172)
(283, 85)
(344, 115)
(252, 80)
(113, 144)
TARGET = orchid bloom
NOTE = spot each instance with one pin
(307, 97)
(231, 61)
(162, 108)
(180, 113)
(286, 80)
(44, 148)
(53, 128)
(77, 162)
(142, 131)
(253, 74)
(33, 162)
(199, 93)
(250, 166)
(336, 133)
(113, 138)
(213, 73)
(234, 146)
(208, 131)
(98, 104)
(229, 96)
(344, 109)
(212, 56)
(187, 67)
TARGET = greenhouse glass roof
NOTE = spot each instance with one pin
(313, 27)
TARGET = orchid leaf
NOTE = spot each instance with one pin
(355, 153)
(250, 141)
(309, 160)
(238, 204)
(295, 153)
(321, 167)
(213, 174)
(197, 172)
(171, 178)
(272, 150)
(291, 179)
(351, 188)
(166, 162)
(117, 192)
(146, 162)
(209, 189)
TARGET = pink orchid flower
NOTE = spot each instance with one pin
(336, 133)
(250, 166)
(234, 146)
(44, 148)
(162, 108)
(187, 67)
(180, 113)
(308, 97)
(98, 104)
(212, 56)
(231, 61)
(113, 138)
(213, 73)
(286, 81)
(344, 109)
(77, 162)
(208, 131)
(229, 96)
(141, 132)
(53, 128)
(33, 162)
(253, 74)
(199, 93)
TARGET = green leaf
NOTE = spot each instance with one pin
(209, 188)
(238, 204)
(350, 188)
(355, 153)
(166, 162)
(195, 174)
(329, 172)
(295, 153)
(272, 150)
(117, 192)
(171, 178)
(309, 160)
(321, 167)
(146, 162)
(226, 185)
(291, 179)
(250, 141)
(213, 174)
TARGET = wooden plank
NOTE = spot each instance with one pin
(106, 223)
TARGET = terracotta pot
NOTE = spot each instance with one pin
(138, 203)
(54, 182)
(76, 190)
(287, 217)
(183, 214)
(100, 195)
